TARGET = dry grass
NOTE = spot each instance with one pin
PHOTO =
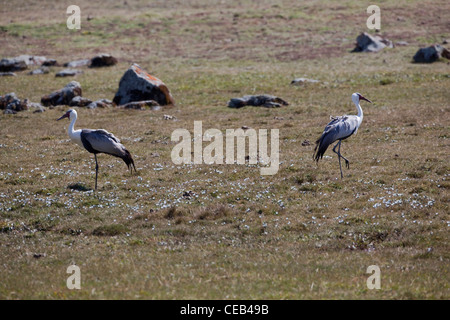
(219, 232)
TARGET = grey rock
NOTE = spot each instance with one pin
(9, 65)
(301, 81)
(401, 43)
(368, 43)
(265, 100)
(141, 105)
(7, 74)
(138, 85)
(445, 53)
(32, 60)
(11, 102)
(77, 63)
(68, 73)
(103, 60)
(63, 96)
(102, 103)
(429, 54)
(41, 70)
(169, 117)
(79, 101)
(37, 106)
(50, 63)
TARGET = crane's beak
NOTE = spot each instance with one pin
(66, 115)
(362, 98)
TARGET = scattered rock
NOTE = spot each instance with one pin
(265, 100)
(306, 143)
(32, 60)
(7, 74)
(302, 81)
(368, 43)
(141, 105)
(68, 73)
(138, 85)
(188, 194)
(12, 103)
(50, 63)
(9, 65)
(77, 63)
(103, 103)
(168, 117)
(41, 70)
(103, 60)
(402, 43)
(63, 96)
(79, 101)
(429, 54)
(445, 53)
(37, 106)
(245, 128)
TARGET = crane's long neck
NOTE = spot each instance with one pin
(360, 112)
(71, 126)
(74, 135)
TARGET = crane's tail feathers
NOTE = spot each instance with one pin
(320, 149)
(128, 159)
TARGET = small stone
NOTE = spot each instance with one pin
(141, 105)
(41, 70)
(68, 73)
(265, 100)
(77, 63)
(429, 54)
(302, 81)
(368, 43)
(103, 60)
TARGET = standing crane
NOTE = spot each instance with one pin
(98, 141)
(340, 128)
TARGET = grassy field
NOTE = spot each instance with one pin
(224, 231)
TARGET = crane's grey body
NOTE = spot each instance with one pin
(338, 129)
(98, 141)
(101, 141)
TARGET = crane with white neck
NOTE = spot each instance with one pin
(338, 129)
(98, 141)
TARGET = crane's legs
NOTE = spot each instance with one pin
(96, 170)
(347, 163)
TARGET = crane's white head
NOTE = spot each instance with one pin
(69, 114)
(356, 97)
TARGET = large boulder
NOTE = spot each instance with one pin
(103, 60)
(63, 96)
(368, 43)
(137, 85)
(428, 55)
(264, 100)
